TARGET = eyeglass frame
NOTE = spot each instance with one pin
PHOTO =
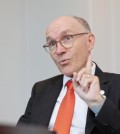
(59, 41)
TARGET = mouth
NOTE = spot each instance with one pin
(64, 62)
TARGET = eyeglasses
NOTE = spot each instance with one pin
(66, 41)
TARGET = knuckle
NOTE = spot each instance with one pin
(96, 78)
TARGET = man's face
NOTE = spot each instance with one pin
(70, 60)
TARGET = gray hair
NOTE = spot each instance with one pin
(83, 22)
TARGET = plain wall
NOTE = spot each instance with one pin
(23, 61)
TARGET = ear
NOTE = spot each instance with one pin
(91, 41)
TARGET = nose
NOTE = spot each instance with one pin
(60, 49)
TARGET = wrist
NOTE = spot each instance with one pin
(97, 104)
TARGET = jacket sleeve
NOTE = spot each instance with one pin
(108, 119)
(25, 119)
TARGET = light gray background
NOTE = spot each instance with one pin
(23, 61)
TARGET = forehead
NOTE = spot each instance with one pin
(63, 25)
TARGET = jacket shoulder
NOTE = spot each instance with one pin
(50, 80)
(112, 76)
(48, 83)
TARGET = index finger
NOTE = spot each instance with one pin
(89, 62)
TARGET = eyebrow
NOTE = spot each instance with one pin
(61, 34)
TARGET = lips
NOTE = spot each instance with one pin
(64, 62)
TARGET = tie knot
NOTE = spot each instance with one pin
(69, 84)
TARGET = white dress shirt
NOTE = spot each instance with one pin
(80, 110)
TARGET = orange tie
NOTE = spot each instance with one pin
(65, 113)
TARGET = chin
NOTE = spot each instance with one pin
(67, 73)
(65, 70)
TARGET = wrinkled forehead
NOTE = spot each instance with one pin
(66, 25)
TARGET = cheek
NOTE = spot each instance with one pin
(80, 56)
(55, 59)
(80, 51)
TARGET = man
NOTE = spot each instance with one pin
(70, 42)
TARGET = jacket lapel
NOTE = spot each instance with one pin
(90, 115)
(49, 100)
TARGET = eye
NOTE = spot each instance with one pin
(51, 43)
(67, 38)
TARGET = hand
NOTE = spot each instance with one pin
(87, 85)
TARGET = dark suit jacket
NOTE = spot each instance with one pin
(45, 94)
